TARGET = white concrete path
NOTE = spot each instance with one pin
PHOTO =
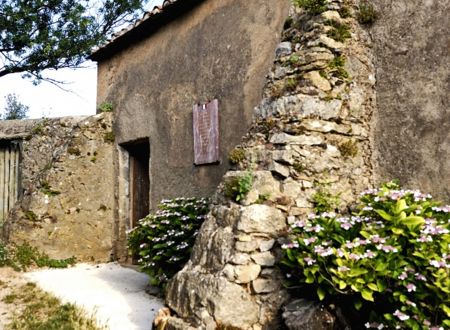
(115, 294)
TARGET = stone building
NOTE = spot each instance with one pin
(179, 55)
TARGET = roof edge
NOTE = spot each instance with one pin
(149, 24)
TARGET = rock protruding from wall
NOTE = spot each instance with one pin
(309, 145)
(67, 199)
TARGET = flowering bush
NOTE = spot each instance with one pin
(163, 241)
(392, 258)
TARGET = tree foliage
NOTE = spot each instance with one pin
(14, 108)
(52, 34)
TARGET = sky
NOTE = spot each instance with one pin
(47, 100)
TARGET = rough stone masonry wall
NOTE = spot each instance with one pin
(66, 206)
(310, 135)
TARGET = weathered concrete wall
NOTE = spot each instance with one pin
(220, 49)
(412, 123)
(310, 136)
(67, 198)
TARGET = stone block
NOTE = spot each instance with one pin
(247, 246)
(306, 315)
(279, 169)
(283, 139)
(229, 303)
(265, 285)
(259, 218)
(264, 258)
(317, 80)
(266, 245)
(240, 259)
(313, 106)
(284, 49)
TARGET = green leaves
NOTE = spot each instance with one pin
(367, 294)
(52, 34)
(392, 255)
(321, 293)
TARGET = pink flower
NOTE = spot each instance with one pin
(403, 276)
(420, 277)
(308, 241)
(401, 316)
(309, 261)
(411, 287)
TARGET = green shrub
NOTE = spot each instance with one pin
(164, 240)
(238, 187)
(391, 259)
(314, 7)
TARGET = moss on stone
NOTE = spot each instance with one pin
(236, 156)
(348, 148)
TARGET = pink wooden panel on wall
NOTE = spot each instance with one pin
(206, 133)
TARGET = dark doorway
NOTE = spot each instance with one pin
(139, 155)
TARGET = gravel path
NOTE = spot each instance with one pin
(115, 294)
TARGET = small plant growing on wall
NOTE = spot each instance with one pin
(163, 240)
(324, 200)
(367, 14)
(109, 137)
(237, 188)
(339, 32)
(389, 262)
(314, 7)
(348, 148)
(47, 189)
(106, 107)
(236, 156)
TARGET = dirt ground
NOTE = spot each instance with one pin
(9, 280)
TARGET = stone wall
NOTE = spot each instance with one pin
(412, 123)
(67, 201)
(309, 139)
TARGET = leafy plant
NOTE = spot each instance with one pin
(391, 259)
(324, 200)
(314, 7)
(163, 240)
(106, 107)
(238, 187)
(367, 13)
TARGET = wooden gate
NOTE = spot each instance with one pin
(9, 176)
